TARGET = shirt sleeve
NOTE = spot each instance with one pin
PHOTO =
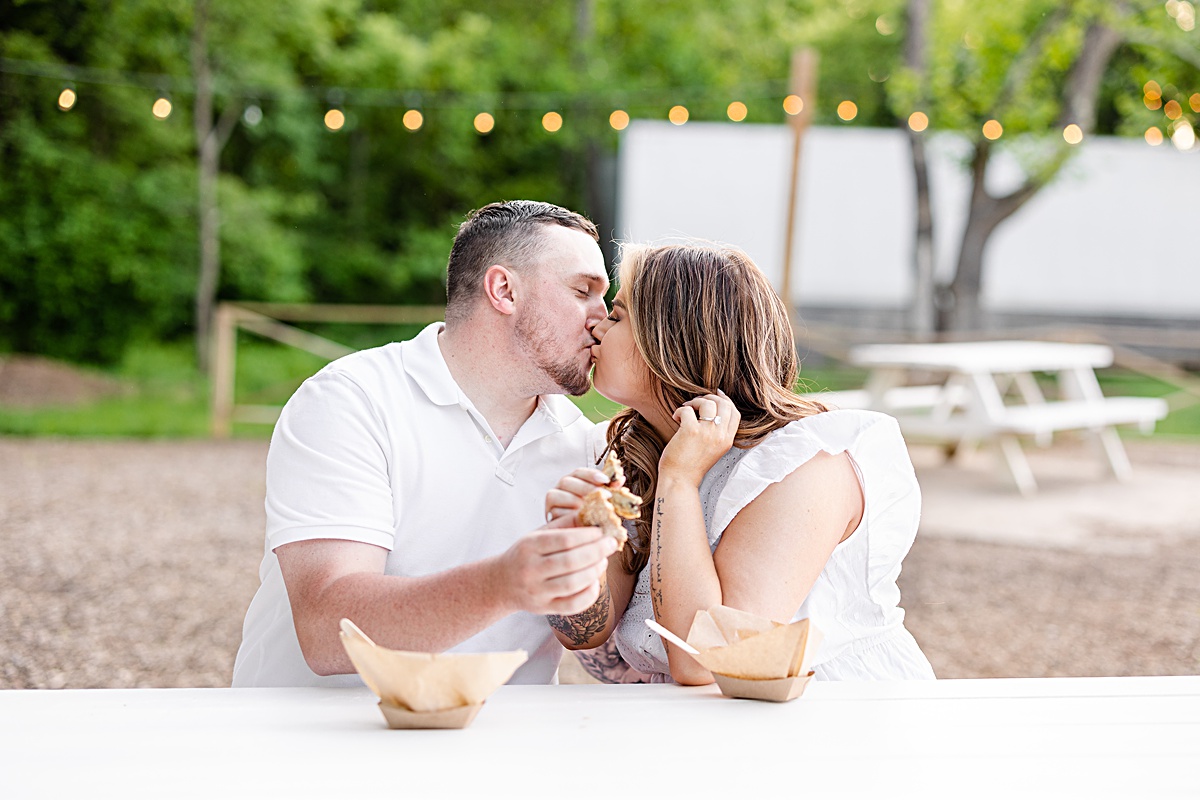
(327, 467)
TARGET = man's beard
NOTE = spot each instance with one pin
(546, 354)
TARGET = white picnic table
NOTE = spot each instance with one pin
(1003, 738)
(988, 392)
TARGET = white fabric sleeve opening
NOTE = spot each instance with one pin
(327, 467)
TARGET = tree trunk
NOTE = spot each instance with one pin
(210, 140)
(963, 312)
(598, 167)
(207, 165)
(921, 320)
(1080, 94)
(360, 158)
(601, 197)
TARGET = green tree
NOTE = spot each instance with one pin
(1036, 67)
(242, 192)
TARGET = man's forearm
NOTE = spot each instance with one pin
(430, 613)
(589, 628)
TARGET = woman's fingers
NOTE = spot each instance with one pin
(716, 409)
(567, 497)
(588, 475)
(685, 415)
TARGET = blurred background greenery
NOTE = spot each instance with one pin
(100, 196)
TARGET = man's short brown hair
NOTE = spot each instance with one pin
(500, 233)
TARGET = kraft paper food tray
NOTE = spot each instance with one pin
(427, 690)
(754, 657)
(399, 717)
(779, 690)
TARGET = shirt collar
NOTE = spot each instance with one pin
(558, 409)
(427, 367)
(425, 364)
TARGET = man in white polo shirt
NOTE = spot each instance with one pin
(405, 483)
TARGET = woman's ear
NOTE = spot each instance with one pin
(499, 289)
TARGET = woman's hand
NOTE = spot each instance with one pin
(567, 497)
(707, 427)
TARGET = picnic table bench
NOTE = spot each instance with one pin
(989, 393)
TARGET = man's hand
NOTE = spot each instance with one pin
(556, 569)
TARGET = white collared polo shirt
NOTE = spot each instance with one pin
(383, 447)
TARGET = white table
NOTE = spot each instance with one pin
(1064, 737)
(989, 393)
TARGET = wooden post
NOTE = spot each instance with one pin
(266, 320)
(803, 84)
(222, 368)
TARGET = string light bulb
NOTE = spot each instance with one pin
(1173, 110)
(1154, 137)
(619, 120)
(793, 104)
(1194, 102)
(992, 130)
(736, 111)
(66, 99)
(1073, 134)
(552, 121)
(1184, 136)
(847, 110)
(161, 108)
(1185, 15)
(413, 119)
(918, 121)
(484, 122)
(335, 119)
(678, 115)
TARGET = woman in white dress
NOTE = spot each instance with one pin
(756, 498)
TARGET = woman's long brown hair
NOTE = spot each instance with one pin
(704, 317)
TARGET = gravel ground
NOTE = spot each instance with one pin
(131, 563)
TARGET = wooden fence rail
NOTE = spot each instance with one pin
(269, 320)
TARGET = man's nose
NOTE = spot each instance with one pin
(598, 315)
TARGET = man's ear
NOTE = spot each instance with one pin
(499, 288)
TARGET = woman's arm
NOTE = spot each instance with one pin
(770, 554)
(606, 665)
(683, 578)
(768, 559)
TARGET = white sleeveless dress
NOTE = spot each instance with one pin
(855, 599)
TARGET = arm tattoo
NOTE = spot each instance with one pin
(656, 592)
(606, 665)
(581, 627)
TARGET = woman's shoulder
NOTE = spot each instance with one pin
(834, 432)
(792, 450)
(871, 439)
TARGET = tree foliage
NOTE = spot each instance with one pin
(98, 242)
(98, 235)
